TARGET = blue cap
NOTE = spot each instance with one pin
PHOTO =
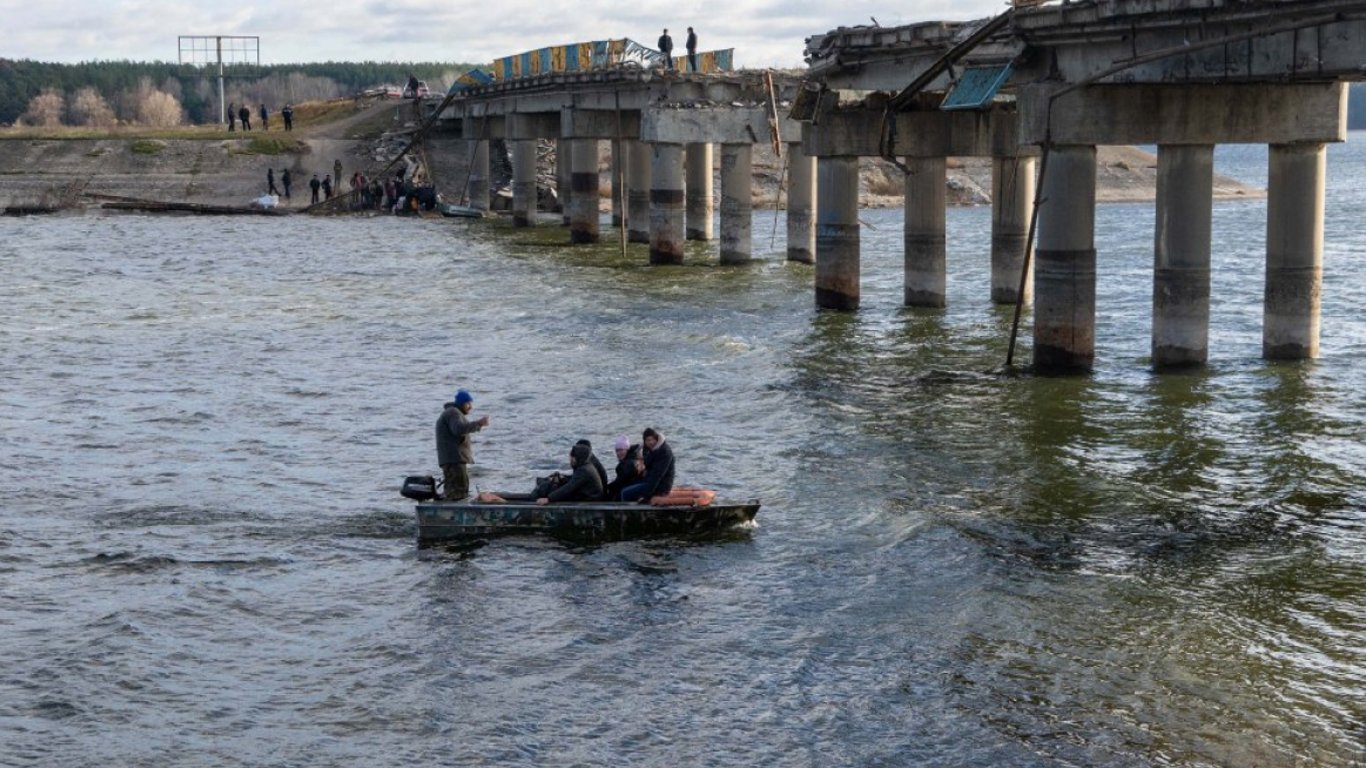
(462, 397)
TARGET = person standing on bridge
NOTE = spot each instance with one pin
(265, 118)
(666, 47)
(691, 45)
(288, 114)
(315, 185)
(327, 187)
(285, 179)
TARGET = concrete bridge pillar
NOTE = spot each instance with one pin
(1065, 277)
(801, 202)
(666, 203)
(924, 232)
(837, 233)
(523, 182)
(618, 175)
(1294, 251)
(1181, 255)
(583, 190)
(737, 203)
(638, 195)
(1012, 203)
(479, 176)
(564, 161)
(700, 194)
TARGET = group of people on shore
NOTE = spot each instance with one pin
(644, 470)
(666, 47)
(243, 115)
(395, 194)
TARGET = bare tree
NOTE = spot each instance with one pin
(159, 109)
(89, 108)
(45, 109)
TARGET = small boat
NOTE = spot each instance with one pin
(576, 520)
(459, 211)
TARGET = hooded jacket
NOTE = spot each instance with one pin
(659, 470)
(453, 436)
(626, 474)
(584, 484)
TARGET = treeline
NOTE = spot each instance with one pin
(124, 91)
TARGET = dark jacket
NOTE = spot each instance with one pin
(692, 42)
(453, 437)
(626, 474)
(659, 470)
(666, 44)
(584, 484)
(599, 468)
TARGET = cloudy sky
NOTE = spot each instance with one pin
(762, 32)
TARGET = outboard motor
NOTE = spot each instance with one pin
(419, 487)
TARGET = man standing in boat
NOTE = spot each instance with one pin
(453, 451)
(659, 469)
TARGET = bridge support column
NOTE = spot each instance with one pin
(479, 176)
(666, 203)
(737, 203)
(1294, 251)
(924, 232)
(1065, 277)
(638, 196)
(801, 201)
(564, 162)
(618, 191)
(700, 194)
(523, 183)
(1012, 203)
(837, 233)
(583, 190)
(1181, 255)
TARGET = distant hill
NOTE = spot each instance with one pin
(119, 82)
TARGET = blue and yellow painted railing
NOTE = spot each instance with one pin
(600, 54)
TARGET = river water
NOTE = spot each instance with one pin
(204, 559)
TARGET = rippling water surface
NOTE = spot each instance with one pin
(205, 561)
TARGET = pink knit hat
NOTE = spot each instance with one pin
(621, 443)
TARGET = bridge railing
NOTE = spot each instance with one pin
(601, 54)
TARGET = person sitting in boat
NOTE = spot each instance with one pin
(659, 469)
(583, 485)
(628, 468)
(597, 465)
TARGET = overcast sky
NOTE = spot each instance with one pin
(763, 32)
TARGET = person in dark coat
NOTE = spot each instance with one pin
(691, 45)
(285, 180)
(288, 114)
(627, 472)
(584, 485)
(597, 465)
(315, 185)
(659, 469)
(244, 114)
(232, 118)
(666, 47)
(327, 186)
(265, 118)
(270, 182)
(453, 450)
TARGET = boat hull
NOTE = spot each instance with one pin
(592, 521)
